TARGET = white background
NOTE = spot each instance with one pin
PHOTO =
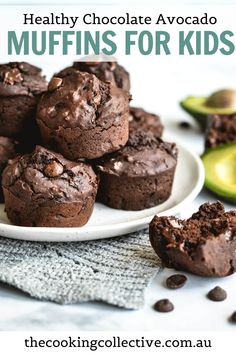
(158, 83)
(119, 2)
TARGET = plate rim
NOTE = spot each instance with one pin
(138, 223)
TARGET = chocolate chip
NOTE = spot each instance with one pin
(217, 294)
(113, 66)
(131, 118)
(54, 83)
(117, 165)
(129, 158)
(12, 76)
(185, 125)
(163, 305)
(53, 169)
(21, 66)
(233, 317)
(176, 281)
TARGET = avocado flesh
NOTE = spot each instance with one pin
(197, 108)
(220, 170)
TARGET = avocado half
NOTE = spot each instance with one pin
(219, 102)
(220, 171)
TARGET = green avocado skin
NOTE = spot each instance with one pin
(213, 182)
(195, 106)
(200, 118)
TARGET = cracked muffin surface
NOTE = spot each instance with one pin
(45, 189)
(104, 71)
(140, 175)
(149, 122)
(21, 85)
(83, 117)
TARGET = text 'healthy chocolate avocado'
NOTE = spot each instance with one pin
(45, 189)
(83, 117)
(204, 244)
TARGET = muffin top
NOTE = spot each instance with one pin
(140, 119)
(45, 176)
(144, 155)
(20, 78)
(104, 71)
(81, 100)
(8, 150)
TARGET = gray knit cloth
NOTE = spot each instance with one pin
(116, 271)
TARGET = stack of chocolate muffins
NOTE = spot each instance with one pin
(77, 139)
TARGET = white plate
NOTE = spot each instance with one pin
(106, 222)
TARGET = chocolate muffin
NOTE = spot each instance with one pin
(83, 117)
(204, 244)
(21, 85)
(221, 130)
(8, 150)
(104, 71)
(140, 175)
(45, 189)
(140, 119)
